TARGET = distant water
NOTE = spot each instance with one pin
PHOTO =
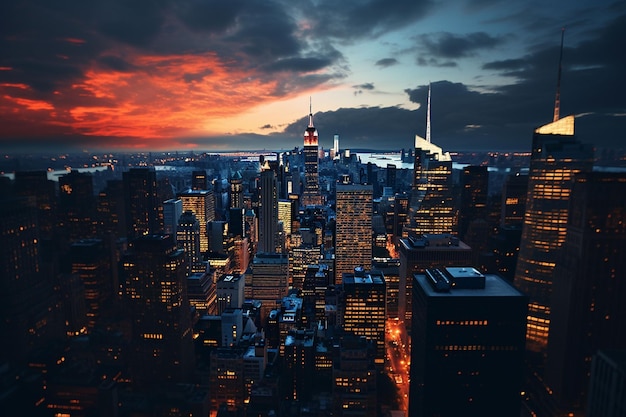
(55, 174)
(381, 160)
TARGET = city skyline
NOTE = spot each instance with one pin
(237, 75)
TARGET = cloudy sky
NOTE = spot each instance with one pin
(239, 74)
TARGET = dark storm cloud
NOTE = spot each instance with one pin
(452, 46)
(299, 64)
(209, 15)
(505, 65)
(352, 19)
(592, 83)
(387, 62)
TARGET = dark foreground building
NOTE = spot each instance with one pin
(468, 344)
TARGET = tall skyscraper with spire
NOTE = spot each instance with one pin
(311, 195)
(432, 207)
(556, 157)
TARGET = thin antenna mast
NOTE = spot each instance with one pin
(310, 112)
(557, 100)
(428, 116)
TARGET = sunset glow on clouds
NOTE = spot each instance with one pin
(209, 74)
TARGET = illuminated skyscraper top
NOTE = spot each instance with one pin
(311, 195)
(432, 209)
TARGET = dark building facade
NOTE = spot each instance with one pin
(468, 344)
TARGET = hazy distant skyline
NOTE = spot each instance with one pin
(219, 75)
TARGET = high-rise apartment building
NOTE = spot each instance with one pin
(467, 352)
(143, 215)
(556, 157)
(311, 194)
(353, 228)
(156, 295)
(587, 312)
(202, 204)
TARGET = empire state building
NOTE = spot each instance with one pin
(311, 195)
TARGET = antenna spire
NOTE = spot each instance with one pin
(557, 100)
(428, 116)
(310, 112)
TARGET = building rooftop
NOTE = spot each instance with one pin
(494, 287)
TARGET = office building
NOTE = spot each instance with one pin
(588, 290)
(188, 239)
(172, 210)
(300, 259)
(267, 281)
(201, 291)
(202, 204)
(111, 208)
(364, 308)
(353, 228)
(354, 378)
(156, 296)
(28, 305)
(199, 180)
(474, 184)
(606, 387)
(230, 292)
(91, 263)
(268, 211)
(418, 254)
(143, 205)
(236, 191)
(77, 206)
(468, 344)
(432, 205)
(556, 157)
(513, 207)
(35, 184)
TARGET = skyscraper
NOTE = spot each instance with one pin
(556, 157)
(588, 287)
(142, 202)
(418, 254)
(474, 183)
(77, 205)
(188, 239)
(202, 204)
(172, 210)
(89, 260)
(432, 206)
(311, 194)
(353, 228)
(467, 352)
(365, 308)
(156, 293)
(236, 190)
(268, 211)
